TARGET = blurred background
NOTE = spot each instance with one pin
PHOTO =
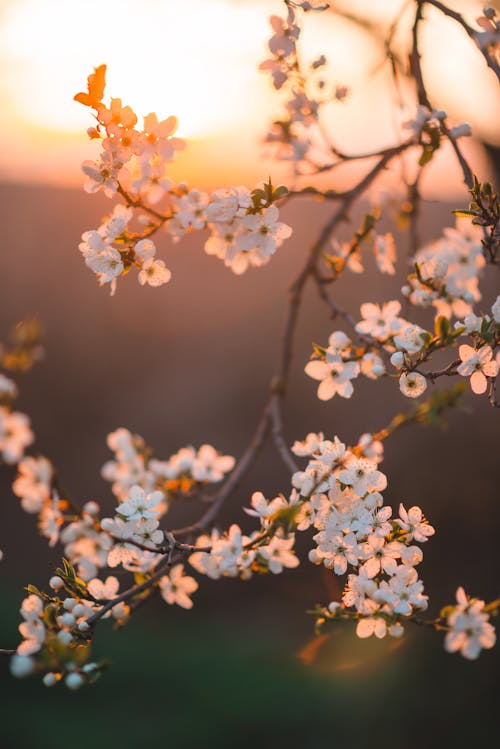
(190, 363)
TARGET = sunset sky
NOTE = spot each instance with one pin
(198, 59)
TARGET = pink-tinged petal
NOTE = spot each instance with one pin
(365, 327)
(465, 352)
(345, 390)
(28, 647)
(478, 383)
(414, 515)
(490, 369)
(327, 389)
(471, 650)
(454, 641)
(372, 567)
(283, 231)
(270, 215)
(391, 309)
(318, 370)
(365, 628)
(461, 597)
(465, 369)
(351, 370)
(380, 628)
(370, 311)
(484, 354)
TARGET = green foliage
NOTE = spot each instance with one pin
(266, 196)
(484, 210)
(72, 583)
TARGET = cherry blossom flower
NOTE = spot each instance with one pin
(15, 435)
(477, 364)
(410, 339)
(385, 253)
(116, 116)
(380, 556)
(151, 181)
(358, 593)
(372, 366)
(403, 591)
(470, 629)
(159, 137)
(309, 446)
(104, 589)
(362, 476)
(176, 587)
(139, 505)
(107, 264)
(262, 508)
(412, 384)
(495, 310)
(371, 625)
(33, 483)
(114, 226)
(380, 322)
(285, 36)
(209, 465)
(335, 376)
(154, 273)
(8, 388)
(32, 629)
(278, 554)
(335, 551)
(264, 232)
(352, 258)
(102, 174)
(413, 522)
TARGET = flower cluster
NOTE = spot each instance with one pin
(133, 163)
(297, 136)
(134, 530)
(469, 630)
(340, 363)
(384, 251)
(182, 473)
(448, 271)
(383, 333)
(233, 554)
(357, 534)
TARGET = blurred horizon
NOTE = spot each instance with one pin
(161, 58)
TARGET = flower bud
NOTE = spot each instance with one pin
(56, 582)
(64, 637)
(92, 508)
(397, 359)
(74, 681)
(21, 666)
(396, 630)
(68, 620)
(50, 679)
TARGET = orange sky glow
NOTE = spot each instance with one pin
(198, 59)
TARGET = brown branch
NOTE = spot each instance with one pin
(423, 98)
(471, 33)
(133, 203)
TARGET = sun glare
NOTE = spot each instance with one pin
(186, 58)
(198, 60)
